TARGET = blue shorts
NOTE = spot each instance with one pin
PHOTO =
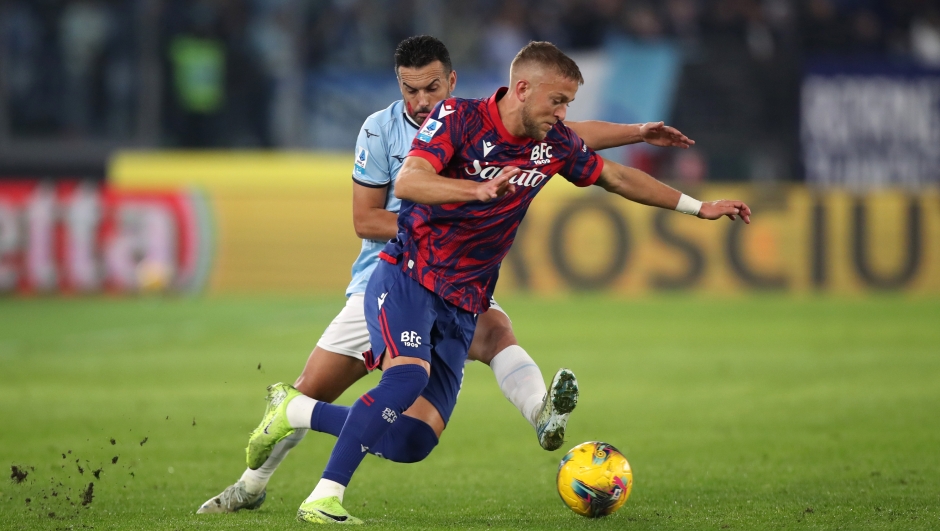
(406, 319)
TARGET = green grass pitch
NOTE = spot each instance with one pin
(745, 413)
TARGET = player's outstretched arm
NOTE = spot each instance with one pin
(639, 187)
(602, 135)
(418, 182)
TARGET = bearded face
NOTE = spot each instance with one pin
(534, 127)
(423, 87)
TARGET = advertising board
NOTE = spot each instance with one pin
(284, 224)
(79, 237)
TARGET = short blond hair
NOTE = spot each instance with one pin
(544, 53)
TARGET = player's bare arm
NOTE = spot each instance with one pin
(638, 186)
(370, 219)
(418, 182)
(602, 135)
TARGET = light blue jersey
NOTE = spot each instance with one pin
(384, 142)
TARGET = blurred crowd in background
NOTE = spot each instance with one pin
(237, 73)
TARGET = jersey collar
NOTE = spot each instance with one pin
(411, 122)
(498, 121)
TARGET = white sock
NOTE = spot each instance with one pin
(326, 488)
(520, 380)
(299, 411)
(257, 480)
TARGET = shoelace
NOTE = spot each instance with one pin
(236, 491)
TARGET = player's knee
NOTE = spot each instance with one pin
(491, 339)
(399, 387)
(503, 337)
(410, 441)
(388, 362)
(411, 379)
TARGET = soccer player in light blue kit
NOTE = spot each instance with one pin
(425, 77)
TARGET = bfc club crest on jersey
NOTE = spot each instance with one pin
(411, 339)
(362, 158)
(541, 154)
(428, 130)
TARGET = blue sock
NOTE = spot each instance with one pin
(409, 440)
(328, 418)
(371, 416)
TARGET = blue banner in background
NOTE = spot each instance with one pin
(868, 124)
(642, 81)
(339, 101)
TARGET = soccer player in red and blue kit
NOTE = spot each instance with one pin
(474, 167)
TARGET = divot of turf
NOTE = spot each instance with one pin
(89, 494)
(17, 474)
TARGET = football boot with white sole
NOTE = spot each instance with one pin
(560, 401)
(234, 498)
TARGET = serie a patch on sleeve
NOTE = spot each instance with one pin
(362, 158)
(428, 130)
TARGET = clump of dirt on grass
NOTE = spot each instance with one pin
(17, 474)
(88, 494)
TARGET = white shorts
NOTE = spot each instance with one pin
(348, 334)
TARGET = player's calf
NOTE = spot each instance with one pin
(409, 440)
(520, 379)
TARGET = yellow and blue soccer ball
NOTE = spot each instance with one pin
(594, 479)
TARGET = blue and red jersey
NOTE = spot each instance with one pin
(455, 249)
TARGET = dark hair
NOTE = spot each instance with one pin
(547, 54)
(421, 50)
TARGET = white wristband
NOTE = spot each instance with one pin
(688, 205)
